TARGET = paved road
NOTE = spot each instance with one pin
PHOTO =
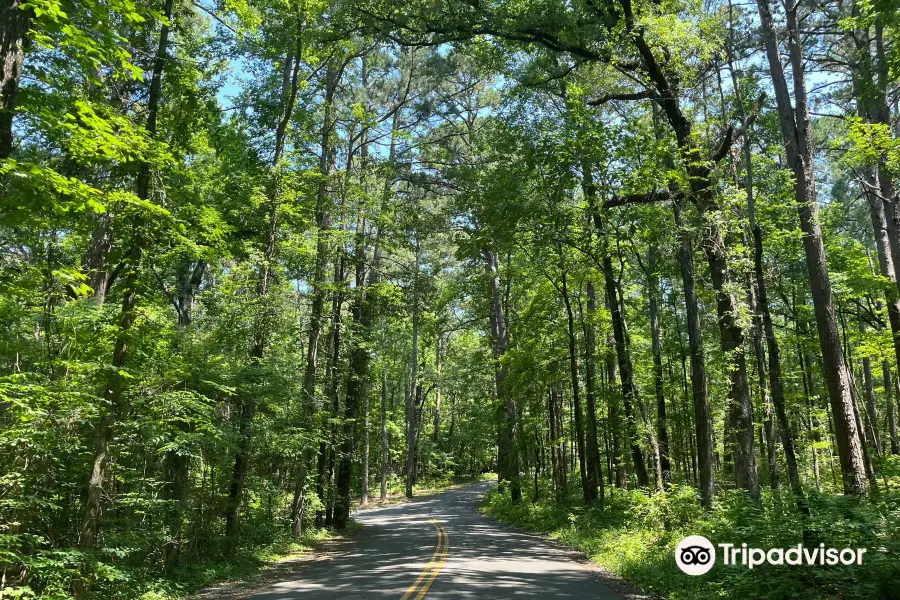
(440, 547)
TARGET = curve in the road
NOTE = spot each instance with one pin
(395, 556)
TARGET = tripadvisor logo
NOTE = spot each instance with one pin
(695, 555)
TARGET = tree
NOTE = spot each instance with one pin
(795, 128)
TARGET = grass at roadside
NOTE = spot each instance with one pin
(248, 567)
(635, 537)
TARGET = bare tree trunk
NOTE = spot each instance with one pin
(656, 348)
(96, 259)
(889, 400)
(612, 408)
(332, 78)
(795, 128)
(595, 470)
(702, 415)
(436, 434)
(14, 26)
(357, 383)
(508, 442)
(626, 373)
(414, 393)
(385, 456)
(871, 412)
(588, 488)
(340, 431)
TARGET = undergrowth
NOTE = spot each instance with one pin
(635, 536)
(119, 571)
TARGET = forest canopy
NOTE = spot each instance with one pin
(263, 261)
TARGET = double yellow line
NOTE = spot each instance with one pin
(431, 570)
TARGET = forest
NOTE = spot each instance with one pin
(263, 262)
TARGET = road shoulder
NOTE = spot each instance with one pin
(282, 569)
(616, 582)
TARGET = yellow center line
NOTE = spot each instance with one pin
(431, 570)
(437, 566)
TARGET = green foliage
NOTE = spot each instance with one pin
(635, 537)
(340, 174)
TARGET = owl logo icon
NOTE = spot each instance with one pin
(695, 555)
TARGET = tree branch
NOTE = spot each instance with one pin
(648, 198)
(165, 290)
(644, 95)
(732, 134)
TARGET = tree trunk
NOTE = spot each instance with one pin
(96, 259)
(14, 26)
(891, 297)
(588, 487)
(595, 470)
(557, 462)
(871, 80)
(436, 434)
(702, 193)
(795, 129)
(656, 348)
(239, 474)
(702, 413)
(813, 425)
(740, 408)
(508, 444)
(116, 383)
(759, 305)
(889, 400)
(413, 396)
(332, 78)
(760, 355)
(626, 373)
(357, 383)
(343, 425)
(612, 408)
(321, 482)
(385, 455)
(871, 421)
(177, 461)
(364, 483)
(261, 324)
(374, 279)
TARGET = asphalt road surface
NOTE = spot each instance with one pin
(441, 547)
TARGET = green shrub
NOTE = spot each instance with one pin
(635, 536)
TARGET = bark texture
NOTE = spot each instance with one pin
(797, 137)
